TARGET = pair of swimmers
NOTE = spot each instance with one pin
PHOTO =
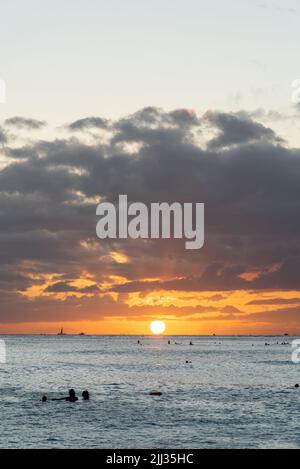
(71, 397)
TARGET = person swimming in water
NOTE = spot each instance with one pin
(71, 397)
(86, 396)
(44, 399)
(155, 393)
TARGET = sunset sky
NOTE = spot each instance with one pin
(163, 101)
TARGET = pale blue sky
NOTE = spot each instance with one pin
(66, 59)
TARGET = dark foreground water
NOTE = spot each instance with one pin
(237, 393)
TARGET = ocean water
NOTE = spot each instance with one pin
(236, 393)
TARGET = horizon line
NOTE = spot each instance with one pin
(149, 335)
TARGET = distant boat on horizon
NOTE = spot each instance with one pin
(62, 332)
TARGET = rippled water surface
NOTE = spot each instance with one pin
(236, 393)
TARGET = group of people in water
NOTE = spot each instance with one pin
(70, 398)
(177, 343)
(169, 343)
(277, 343)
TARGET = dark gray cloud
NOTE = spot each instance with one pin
(65, 287)
(275, 301)
(238, 129)
(157, 117)
(246, 176)
(89, 123)
(25, 123)
(219, 276)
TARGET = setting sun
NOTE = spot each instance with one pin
(157, 327)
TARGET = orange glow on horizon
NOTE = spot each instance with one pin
(183, 312)
(142, 328)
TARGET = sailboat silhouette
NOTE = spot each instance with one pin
(61, 332)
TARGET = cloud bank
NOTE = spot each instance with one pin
(244, 172)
